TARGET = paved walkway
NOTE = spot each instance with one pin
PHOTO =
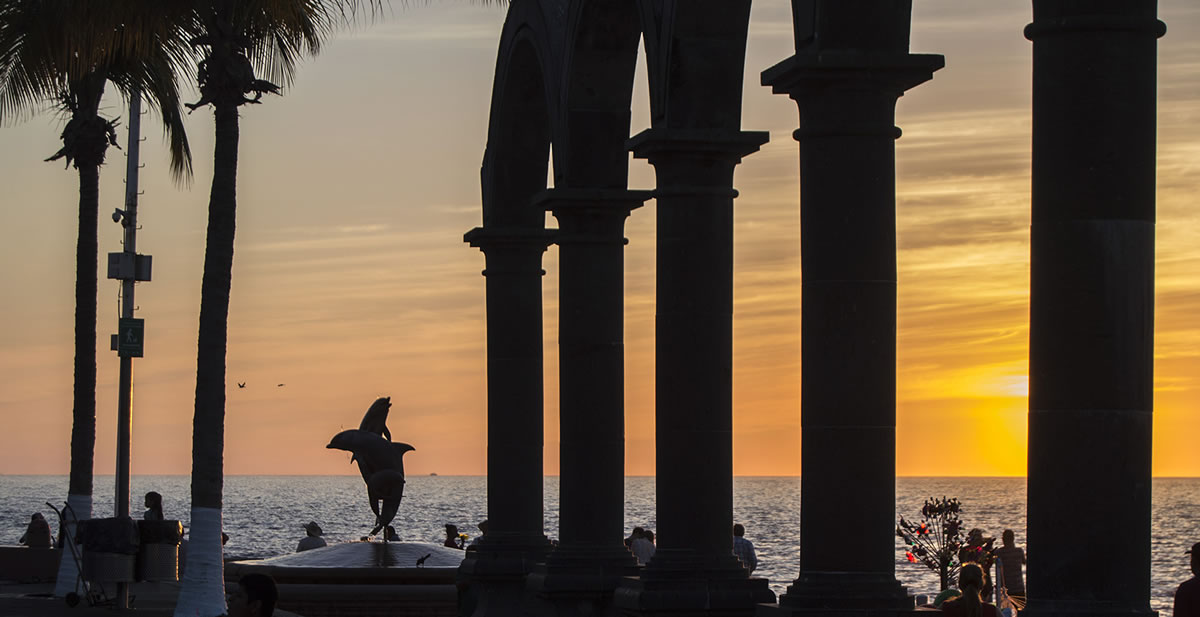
(36, 600)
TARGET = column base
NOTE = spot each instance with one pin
(491, 579)
(843, 594)
(579, 580)
(681, 582)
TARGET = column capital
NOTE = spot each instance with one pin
(710, 143)
(1059, 24)
(488, 237)
(590, 216)
(813, 71)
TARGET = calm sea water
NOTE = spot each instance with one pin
(264, 514)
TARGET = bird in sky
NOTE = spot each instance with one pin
(280, 385)
(241, 384)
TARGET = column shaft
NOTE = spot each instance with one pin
(514, 387)
(494, 574)
(1091, 305)
(592, 364)
(847, 139)
(580, 575)
(694, 568)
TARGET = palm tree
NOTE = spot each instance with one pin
(249, 46)
(66, 52)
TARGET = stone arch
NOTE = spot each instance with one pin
(601, 45)
(565, 77)
(521, 126)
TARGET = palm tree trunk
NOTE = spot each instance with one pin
(203, 590)
(83, 414)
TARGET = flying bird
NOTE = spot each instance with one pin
(241, 384)
(280, 385)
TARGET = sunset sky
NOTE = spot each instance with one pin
(351, 280)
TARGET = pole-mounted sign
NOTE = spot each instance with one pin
(131, 337)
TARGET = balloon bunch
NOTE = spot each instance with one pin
(935, 541)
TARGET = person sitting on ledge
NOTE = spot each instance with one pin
(970, 604)
(483, 527)
(635, 534)
(452, 539)
(255, 596)
(312, 539)
(643, 547)
(37, 535)
(743, 549)
(153, 507)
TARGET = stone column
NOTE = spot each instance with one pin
(694, 571)
(1091, 334)
(851, 66)
(579, 577)
(494, 575)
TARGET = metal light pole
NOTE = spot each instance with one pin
(128, 267)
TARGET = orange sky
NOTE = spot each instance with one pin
(351, 279)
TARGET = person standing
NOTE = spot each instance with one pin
(743, 549)
(312, 538)
(1187, 596)
(1011, 558)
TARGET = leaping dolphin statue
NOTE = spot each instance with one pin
(375, 420)
(381, 464)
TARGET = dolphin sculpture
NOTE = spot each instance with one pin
(375, 420)
(386, 486)
(381, 465)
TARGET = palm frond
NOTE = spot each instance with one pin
(52, 47)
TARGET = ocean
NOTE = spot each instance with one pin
(263, 515)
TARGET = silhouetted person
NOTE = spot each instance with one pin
(743, 549)
(37, 534)
(1187, 596)
(978, 549)
(643, 547)
(1011, 557)
(970, 603)
(312, 538)
(452, 539)
(633, 535)
(154, 510)
(255, 597)
(483, 527)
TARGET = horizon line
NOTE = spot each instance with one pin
(467, 475)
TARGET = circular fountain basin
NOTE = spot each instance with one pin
(362, 578)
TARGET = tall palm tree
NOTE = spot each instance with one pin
(248, 46)
(66, 52)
